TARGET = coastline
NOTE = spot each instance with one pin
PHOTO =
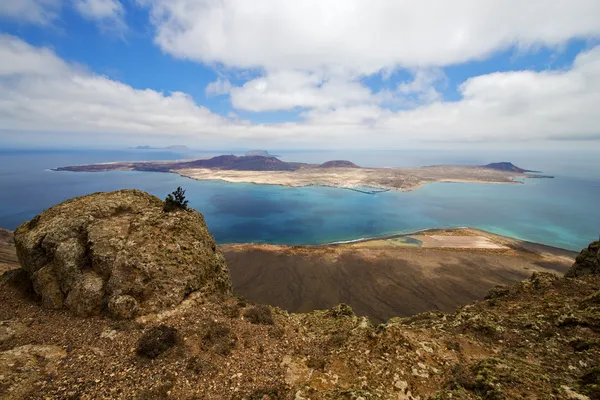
(509, 242)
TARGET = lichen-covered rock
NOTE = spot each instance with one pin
(122, 306)
(45, 283)
(587, 262)
(119, 246)
(87, 294)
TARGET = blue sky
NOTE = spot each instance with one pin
(299, 74)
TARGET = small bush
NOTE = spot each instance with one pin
(461, 378)
(341, 310)
(260, 314)
(220, 338)
(241, 302)
(156, 341)
(453, 346)
(201, 365)
(338, 339)
(176, 200)
(317, 363)
(231, 310)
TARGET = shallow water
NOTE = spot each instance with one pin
(559, 212)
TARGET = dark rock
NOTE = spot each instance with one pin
(587, 262)
(156, 341)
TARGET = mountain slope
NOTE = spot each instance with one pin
(507, 167)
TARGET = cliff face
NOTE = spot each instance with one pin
(119, 251)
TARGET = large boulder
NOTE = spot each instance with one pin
(587, 262)
(119, 252)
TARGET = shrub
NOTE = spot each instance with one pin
(156, 341)
(341, 310)
(338, 339)
(176, 200)
(220, 338)
(260, 314)
(231, 310)
(201, 365)
(317, 363)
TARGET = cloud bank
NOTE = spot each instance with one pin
(311, 58)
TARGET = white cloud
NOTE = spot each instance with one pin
(39, 92)
(109, 14)
(362, 36)
(423, 86)
(19, 58)
(312, 54)
(285, 90)
(32, 11)
(218, 87)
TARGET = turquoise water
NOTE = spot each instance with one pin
(560, 212)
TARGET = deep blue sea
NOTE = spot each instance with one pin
(562, 212)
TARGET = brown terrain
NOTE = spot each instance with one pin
(268, 170)
(390, 277)
(537, 339)
(381, 278)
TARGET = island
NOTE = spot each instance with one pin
(269, 170)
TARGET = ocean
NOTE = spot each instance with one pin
(562, 212)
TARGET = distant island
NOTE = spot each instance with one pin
(174, 147)
(269, 170)
(262, 153)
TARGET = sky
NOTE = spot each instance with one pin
(310, 74)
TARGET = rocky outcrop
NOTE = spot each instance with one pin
(338, 164)
(119, 252)
(587, 262)
(506, 166)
